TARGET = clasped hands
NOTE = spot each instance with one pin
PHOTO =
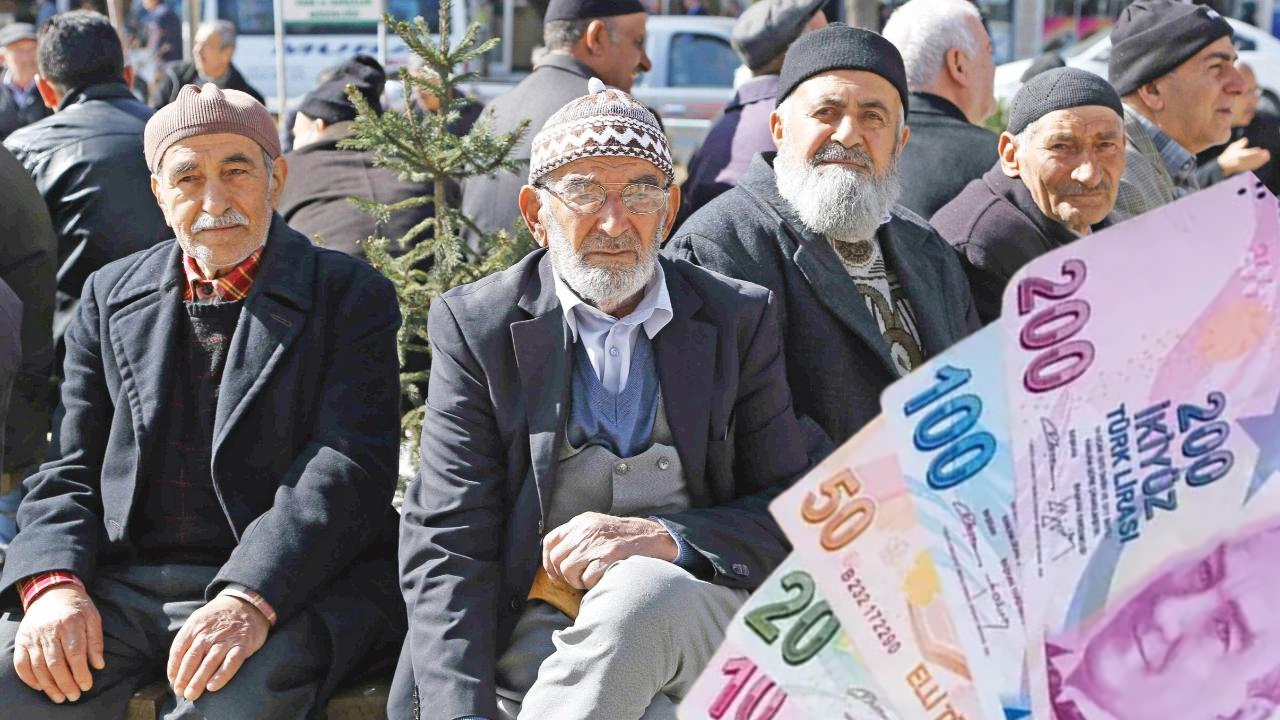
(60, 638)
(579, 552)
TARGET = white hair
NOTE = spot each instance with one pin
(924, 30)
(225, 29)
(1022, 140)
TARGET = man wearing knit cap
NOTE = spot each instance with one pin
(604, 431)
(583, 39)
(323, 177)
(760, 37)
(1174, 65)
(1061, 160)
(868, 291)
(220, 505)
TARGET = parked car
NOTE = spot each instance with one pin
(689, 84)
(1256, 47)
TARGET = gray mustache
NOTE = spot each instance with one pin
(834, 151)
(1073, 187)
(229, 218)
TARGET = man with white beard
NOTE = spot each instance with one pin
(869, 291)
(604, 431)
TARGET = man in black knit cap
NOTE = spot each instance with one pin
(583, 39)
(1174, 65)
(1060, 164)
(868, 291)
(324, 177)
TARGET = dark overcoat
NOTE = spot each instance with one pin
(13, 117)
(178, 74)
(305, 438)
(945, 151)
(837, 360)
(996, 227)
(474, 518)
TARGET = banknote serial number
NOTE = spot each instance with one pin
(875, 616)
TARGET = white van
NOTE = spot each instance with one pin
(312, 48)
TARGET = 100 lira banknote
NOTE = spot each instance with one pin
(949, 423)
(785, 656)
(854, 528)
(1144, 363)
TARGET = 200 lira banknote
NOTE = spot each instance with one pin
(1144, 364)
(949, 424)
(783, 656)
(854, 528)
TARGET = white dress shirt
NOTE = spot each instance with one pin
(609, 340)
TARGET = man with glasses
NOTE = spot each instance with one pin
(1255, 140)
(604, 431)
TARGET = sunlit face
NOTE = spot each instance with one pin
(605, 256)
(1071, 164)
(854, 108)
(20, 58)
(218, 196)
(1246, 104)
(1197, 643)
(1198, 97)
(211, 58)
(621, 60)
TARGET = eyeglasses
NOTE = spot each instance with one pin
(587, 197)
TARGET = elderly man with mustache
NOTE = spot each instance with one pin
(220, 507)
(1061, 160)
(604, 431)
(868, 290)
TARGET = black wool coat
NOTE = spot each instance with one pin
(305, 439)
(996, 227)
(184, 73)
(945, 151)
(837, 360)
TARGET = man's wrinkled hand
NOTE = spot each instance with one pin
(59, 637)
(212, 645)
(580, 551)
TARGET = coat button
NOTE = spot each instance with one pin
(663, 463)
(622, 468)
(515, 603)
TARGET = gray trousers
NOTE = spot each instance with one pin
(142, 608)
(643, 635)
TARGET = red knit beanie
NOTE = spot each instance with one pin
(205, 111)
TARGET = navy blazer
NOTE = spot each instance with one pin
(475, 516)
(305, 440)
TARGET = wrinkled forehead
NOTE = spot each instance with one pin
(1082, 121)
(608, 170)
(217, 148)
(849, 88)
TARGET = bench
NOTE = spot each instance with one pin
(361, 701)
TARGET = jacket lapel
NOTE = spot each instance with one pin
(541, 347)
(686, 355)
(914, 261)
(143, 325)
(272, 317)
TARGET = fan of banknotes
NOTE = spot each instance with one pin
(1073, 514)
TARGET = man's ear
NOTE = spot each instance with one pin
(529, 208)
(128, 75)
(594, 37)
(49, 95)
(279, 173)
(673, 209)
(775, 128)
(155, 192)
(1149, 94)
(957, 66)
(1007, 149)
(906, 134)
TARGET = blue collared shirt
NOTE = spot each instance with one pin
(23, 96)
(1179, 161)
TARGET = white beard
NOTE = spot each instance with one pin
(602, 287)
(834, 201)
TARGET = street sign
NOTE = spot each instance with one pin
(320, 12)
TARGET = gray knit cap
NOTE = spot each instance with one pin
(1059, 89)
(603, 123)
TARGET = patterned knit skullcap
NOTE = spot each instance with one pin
(208, 110)
(603, 123)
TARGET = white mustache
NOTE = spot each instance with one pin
(230, 218)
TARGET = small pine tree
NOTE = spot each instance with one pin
(419, 146)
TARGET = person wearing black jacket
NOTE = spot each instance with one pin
(215, 44)
(19, 101)
(1255, 140)
(86, 158)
